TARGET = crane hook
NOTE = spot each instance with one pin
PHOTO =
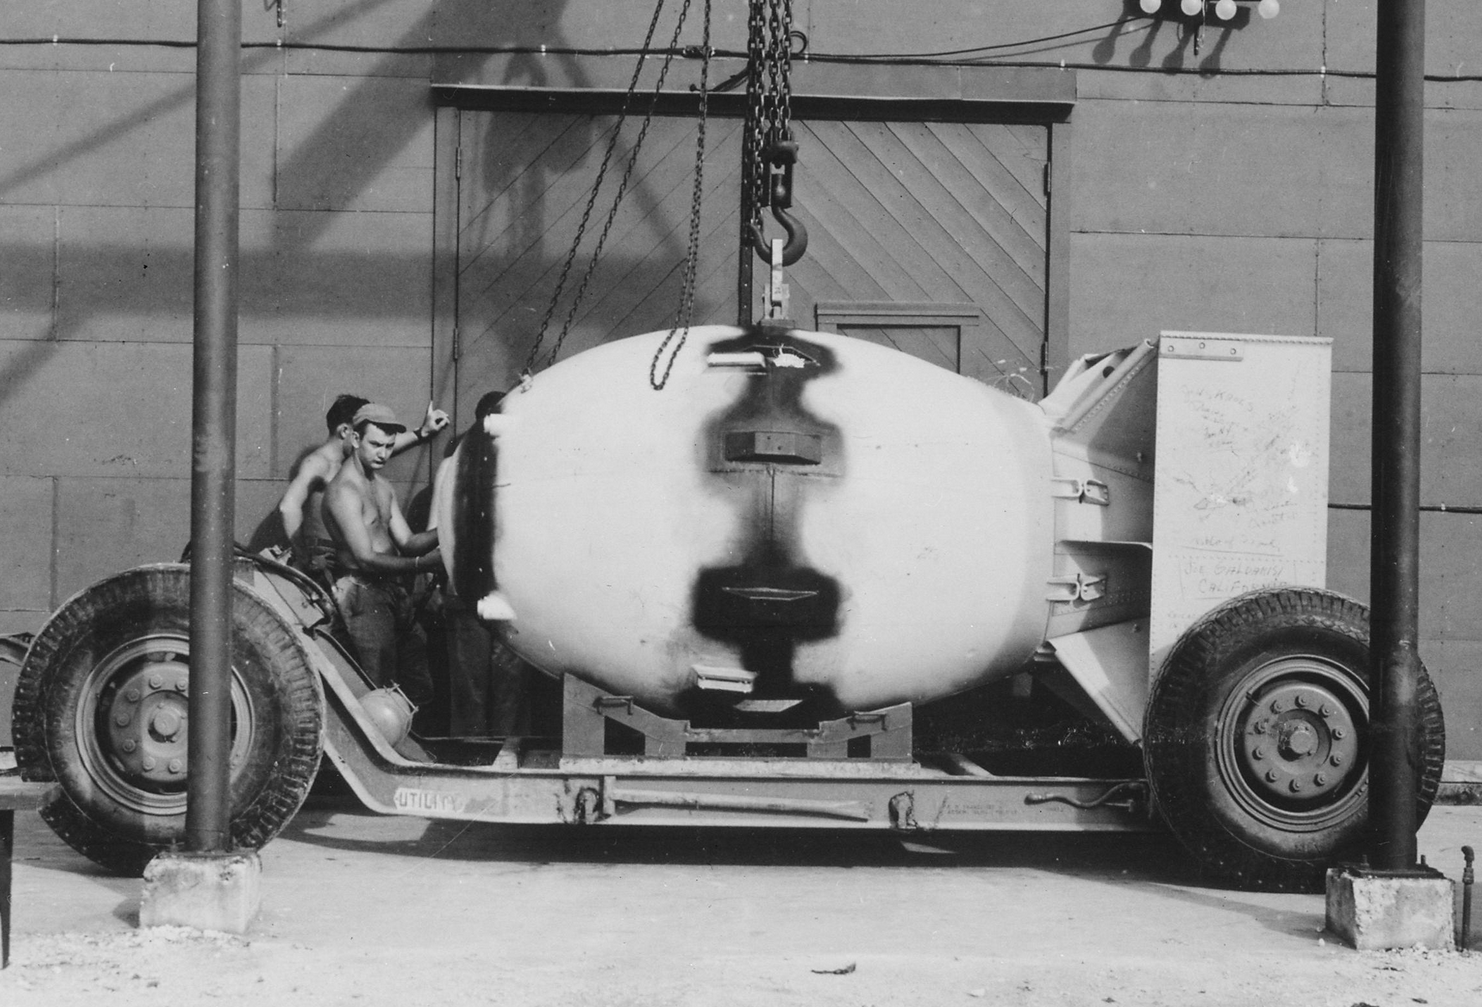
(797, 238)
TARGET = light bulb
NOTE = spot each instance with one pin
(1191, 7)
(1151, 6)
(1225, 9)
(1268, 8)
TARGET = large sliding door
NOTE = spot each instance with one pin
(929, 236)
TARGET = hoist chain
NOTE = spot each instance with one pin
(769, 107)
(618, 196)
(754, 138)
(769, 151)
(692, 250)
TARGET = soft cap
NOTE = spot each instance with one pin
(381, 416)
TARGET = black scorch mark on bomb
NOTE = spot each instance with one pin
(473, 514)
(770, 453)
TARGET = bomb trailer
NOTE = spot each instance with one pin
(793, 589)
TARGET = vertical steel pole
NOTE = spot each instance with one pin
(213, 422)
(1399, 132)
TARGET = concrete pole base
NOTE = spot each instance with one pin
(207, 891)
(1375, 911)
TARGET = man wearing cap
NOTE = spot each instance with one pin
(303, 523)
(375, 552)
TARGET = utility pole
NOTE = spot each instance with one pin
(1399, 134)
(214, 423)
(209, 886)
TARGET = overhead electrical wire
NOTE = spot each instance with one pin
(947, 57)
(525, 50)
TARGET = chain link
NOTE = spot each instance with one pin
(692, 251)
(754, 139)
(597, 185)
(769, 99)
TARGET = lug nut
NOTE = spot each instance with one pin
(1339, 733)
(1258, 752)
(1302, 701)
(148, 763)
(1260, 727)
(1336, 758)
(155, 681)
(1276, 706)
(129, 745)
(1296, 786)
(122, 718)
(1320, 779)
(175, 766)
(181, 684)
(1325, 710)
(132, 695)
(1270, 776)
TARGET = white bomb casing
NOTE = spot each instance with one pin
(794, 515)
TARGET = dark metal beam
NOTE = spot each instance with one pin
(213, 423)
(1399, 131)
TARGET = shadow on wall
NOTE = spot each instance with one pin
(1190, 36)
(357, 140)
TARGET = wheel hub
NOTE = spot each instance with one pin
(133, 723)
(146, 716)
(1300, 742)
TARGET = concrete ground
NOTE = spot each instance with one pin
(367, 910)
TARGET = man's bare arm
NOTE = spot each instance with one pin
(401, 534)
(432, 424)
(345, 505)
(312, 473)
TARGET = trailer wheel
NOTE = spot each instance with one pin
(100, 708)
(1256, 738)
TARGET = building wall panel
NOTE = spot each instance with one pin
(169, 20)
(1450, 626)
(126, 273)
(1453, 185)
(1449, 473)
(25, 570)
(28, 251)
(1187, 168)
(390, 24)
(1451, 34)
(1129, 287)
(353, 280)
(108, 525)
(1302, 89)
(563, 23)
(1345, 299)
(1456, 668)
(119, 139)
(118, 410)
(355, 143)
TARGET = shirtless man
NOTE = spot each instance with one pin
(300, 507)
(374, 553)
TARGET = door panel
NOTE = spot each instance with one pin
(898, 214)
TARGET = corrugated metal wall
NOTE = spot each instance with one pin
(1197, 199)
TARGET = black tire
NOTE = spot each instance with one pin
(1256, 738)
(117, 655)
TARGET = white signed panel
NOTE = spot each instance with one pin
(1241, 494)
